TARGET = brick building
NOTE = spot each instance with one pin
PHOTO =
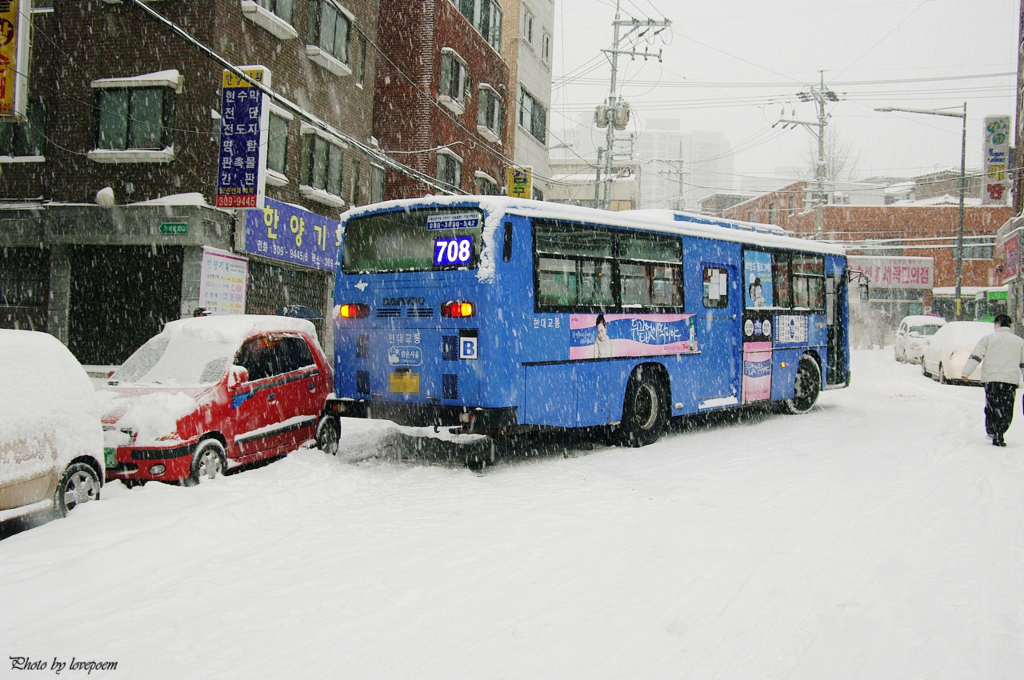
(443, 96)
(118, 102)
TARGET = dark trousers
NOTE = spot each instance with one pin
(999, 398)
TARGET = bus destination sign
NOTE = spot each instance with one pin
(454, 221)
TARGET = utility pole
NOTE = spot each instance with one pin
(615, 114)
(820, 95)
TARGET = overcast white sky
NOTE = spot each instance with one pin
(730, 66)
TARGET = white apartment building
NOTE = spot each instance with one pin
(528, 51)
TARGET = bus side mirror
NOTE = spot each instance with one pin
(506, 250)
(864, 295)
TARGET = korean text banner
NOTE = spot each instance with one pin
(290, 234)
(244, 119)
(14, 42)
(995, 160)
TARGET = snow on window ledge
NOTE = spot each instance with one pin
(132, 155)
(170, 78)
(22, 159)
(327, 61)
(276, 179)
(480, 174)
(454, 105)
(321, 196)
(488, 134)
(268, 20)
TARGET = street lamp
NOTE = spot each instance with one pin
(960, 226)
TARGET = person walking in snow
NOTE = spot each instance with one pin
(1001, 355)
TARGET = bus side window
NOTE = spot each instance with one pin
(506, 250)
(716, 288)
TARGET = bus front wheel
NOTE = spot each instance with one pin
(806, 387)
(644, 412)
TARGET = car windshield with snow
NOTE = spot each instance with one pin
(211, 393)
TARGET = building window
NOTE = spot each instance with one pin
(533, 116)
(484, 184)
(321, 164)
(454, 78)
(377, 176)
(528, 26)
(752, 216)
(282, 8)
(545, 48)
(771, 213)
(361, 64)
(792, 204)
(25, 139)
(489, 113)
(449, 169)
(485, 16)
(277, 144)
(354, 194)
(134, 118)
(538, 195)
(977, 248)
(330, 27)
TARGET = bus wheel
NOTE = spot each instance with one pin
(644, 410)
(806, 387)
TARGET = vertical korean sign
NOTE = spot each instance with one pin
(14, 44)
(995, 159)
(244, 121)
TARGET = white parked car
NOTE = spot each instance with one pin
(51, 440)
(911, 336)
(948, 350)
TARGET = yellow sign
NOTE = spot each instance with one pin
(231, 80)
(9, 39)
(520, 182)
(405, 382)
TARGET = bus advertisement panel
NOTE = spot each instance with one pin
(496, 315)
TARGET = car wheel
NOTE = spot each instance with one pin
(806, 386)
(898, 357)
(79, 484)
(942, 375)
(644, 412)
(207, 462)
(328, 432)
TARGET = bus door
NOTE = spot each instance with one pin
(720, 343)
(835, 302)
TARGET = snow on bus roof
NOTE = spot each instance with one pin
(650, 220)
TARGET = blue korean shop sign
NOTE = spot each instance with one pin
(244, 119)
(291, 234)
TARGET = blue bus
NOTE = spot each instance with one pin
(498, 315)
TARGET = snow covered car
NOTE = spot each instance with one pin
(948, 350)
(912, 334)
(51, 442)
(214, 392)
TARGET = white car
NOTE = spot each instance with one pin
(912, 334)
(51, 440)
(947, 351)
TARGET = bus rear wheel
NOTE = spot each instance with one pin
(806, 387)
(644, 412)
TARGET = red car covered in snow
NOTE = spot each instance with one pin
(215, 392)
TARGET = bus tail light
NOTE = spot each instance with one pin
(353, 311)
(458, 309)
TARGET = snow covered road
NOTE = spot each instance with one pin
(879, 536)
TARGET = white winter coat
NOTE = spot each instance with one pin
(1001, 355)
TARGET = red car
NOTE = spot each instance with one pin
(214, 392)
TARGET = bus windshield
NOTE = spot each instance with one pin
(413, 240)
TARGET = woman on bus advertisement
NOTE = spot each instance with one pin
(758, 275)
(598, 336)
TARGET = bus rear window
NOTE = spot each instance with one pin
(414, 240)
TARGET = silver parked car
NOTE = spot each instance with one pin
(912, 334)
(51, 440)
(948, 350)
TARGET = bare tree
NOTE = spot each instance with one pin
(841, 157)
